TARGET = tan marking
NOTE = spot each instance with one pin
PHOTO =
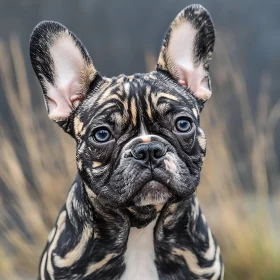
(42, 266)
(76, 253)
(193, 265)
(108, 80)
(146, 138)
(172, 208)
(107, 95)
(113, 96)
(90, 193)
(168, 220)
(167, 95)
(70, 200)
(78, 125)
(79, 164)
(60, 226)
(202, 140)
(149, 111)
(82, 147)
(109, 105)
(51, 235)
(158, 207)
(210, 253)
(133, 110)
(96, 171)
(151, 76)
(95, 266)
(195, 112)
(118, 118)
(161, 60)
(96, 164)
(96, 234)
(120, 79)
(132, 210)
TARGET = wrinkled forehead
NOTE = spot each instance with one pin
(137, 97)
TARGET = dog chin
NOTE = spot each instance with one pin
(152, 193)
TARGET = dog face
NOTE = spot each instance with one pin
(138, 137)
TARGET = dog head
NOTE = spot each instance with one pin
(138, 137)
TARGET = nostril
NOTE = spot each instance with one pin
(141, 155)
(159, 153)
(140, 152)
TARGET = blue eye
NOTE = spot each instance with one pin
(183, 125)
(102, 135)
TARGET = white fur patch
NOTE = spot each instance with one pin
(170, 164)
(140, 255)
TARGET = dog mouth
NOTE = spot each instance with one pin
(152, 193)
(130, 185)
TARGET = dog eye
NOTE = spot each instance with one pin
(183, 125)
(102, 135)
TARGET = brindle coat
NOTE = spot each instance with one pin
(147, 170)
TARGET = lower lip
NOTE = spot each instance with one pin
(154, 187)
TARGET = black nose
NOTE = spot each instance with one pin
(151, 154)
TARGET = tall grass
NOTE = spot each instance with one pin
(36, 171)
(37, 166)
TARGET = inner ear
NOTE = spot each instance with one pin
(63, 67)
(187, 50)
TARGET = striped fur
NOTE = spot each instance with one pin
(119, 197)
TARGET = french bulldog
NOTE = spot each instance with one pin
(132, 211)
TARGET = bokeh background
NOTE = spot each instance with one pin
(239, 192)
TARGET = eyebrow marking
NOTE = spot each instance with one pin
(106, 106)
(167, 95)
(149, 111)
(107, 94)
(133, 110)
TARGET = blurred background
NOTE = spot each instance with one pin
(239, 193)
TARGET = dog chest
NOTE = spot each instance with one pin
(140, 255)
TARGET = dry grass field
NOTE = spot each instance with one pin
(37, 166)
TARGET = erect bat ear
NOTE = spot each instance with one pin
(187, 50)
(63, 67)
